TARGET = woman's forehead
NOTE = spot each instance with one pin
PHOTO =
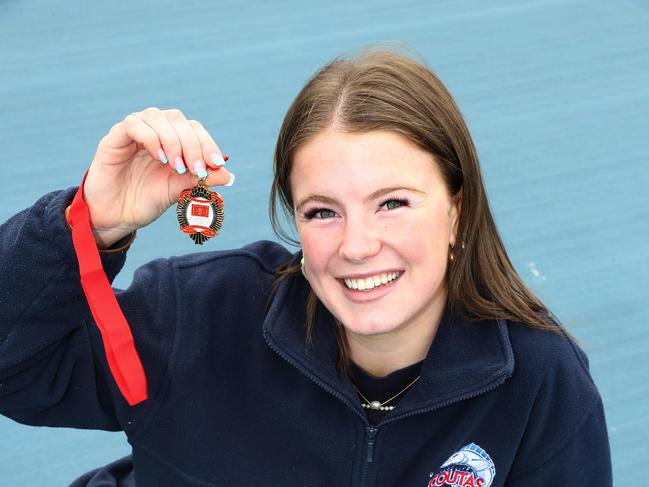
(359, 165)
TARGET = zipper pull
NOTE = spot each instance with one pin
(371, 433)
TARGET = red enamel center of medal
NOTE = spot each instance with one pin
(199, 215)
(200, 210)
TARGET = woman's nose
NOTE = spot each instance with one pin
(360, 241)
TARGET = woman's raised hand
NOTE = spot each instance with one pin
(142, 165)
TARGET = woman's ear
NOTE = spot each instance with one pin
(454, 213)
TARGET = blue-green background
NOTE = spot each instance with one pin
(556, 94)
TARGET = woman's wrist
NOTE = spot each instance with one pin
(105, 239)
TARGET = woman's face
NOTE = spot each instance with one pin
(375, 220)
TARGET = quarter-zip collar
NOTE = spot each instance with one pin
(464, 360)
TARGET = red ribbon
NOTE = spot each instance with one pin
(123, 360)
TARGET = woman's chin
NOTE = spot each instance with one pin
(368, 328)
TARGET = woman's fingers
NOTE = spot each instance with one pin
(171, 146)
(221, 177)
(211, 152)
(169, 137)
(192, 154)
(218, 176)
(133, 128)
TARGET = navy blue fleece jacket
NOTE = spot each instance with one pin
(236, 398)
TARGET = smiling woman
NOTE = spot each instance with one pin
(386, 121)
(372, 207)
(398, 347)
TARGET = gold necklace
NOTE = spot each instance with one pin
(381, 406)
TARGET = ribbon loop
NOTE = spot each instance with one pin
(123, 360)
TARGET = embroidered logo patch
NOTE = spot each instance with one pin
(469, 467)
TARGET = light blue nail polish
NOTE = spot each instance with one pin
(162, 156)
(201, 173)
(180, 166)
(218, 160)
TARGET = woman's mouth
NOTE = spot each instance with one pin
(372, 282)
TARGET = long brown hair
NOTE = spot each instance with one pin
(382, 89)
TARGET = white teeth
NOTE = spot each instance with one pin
(371, 282)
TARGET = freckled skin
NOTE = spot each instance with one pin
(354, 233)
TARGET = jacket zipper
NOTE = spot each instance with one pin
(370, 430)
(370, 433)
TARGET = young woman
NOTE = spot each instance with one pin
(398, 347)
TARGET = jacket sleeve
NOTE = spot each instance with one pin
(53, 369)
(566, 441)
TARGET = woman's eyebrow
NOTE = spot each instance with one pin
(315, 197)
(382, 191)
(376, 194)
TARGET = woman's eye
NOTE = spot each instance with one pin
(319, 213)
(394, 203)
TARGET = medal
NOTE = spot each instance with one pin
(200, 212)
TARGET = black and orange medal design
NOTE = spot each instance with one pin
(200, 212)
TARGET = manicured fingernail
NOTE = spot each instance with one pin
(230, 181)
(162, 156)
(199, 168)
(218, 159)
(180, 166)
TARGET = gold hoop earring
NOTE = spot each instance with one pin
(451, 255)
(302, 267)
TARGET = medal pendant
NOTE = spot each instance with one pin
(200, 213)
